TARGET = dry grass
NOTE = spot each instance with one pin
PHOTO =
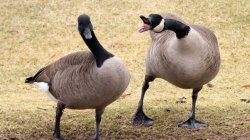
(34, 33)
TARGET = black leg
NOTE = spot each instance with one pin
(139, 117)
(98, 118)
(191, 122)
(59, 111)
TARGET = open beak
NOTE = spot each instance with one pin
(145, 26)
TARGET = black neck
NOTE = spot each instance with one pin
(96, 48)
(180, 29)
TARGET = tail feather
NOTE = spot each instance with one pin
(32, 79)
(29, 80)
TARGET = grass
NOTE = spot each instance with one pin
(34, 33)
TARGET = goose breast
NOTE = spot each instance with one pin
(187, 63)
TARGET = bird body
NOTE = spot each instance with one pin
(76, 81)
(188, 62)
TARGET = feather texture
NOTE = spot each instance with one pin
(76, 81)
(188, 62)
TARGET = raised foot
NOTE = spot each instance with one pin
(192, 123)
(140, 118)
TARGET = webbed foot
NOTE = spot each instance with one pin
(192, 123)
(140, 118)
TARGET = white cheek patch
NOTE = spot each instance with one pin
(44, 87)
(159, 27)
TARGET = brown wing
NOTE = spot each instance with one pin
(47, 73)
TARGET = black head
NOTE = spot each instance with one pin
(153, 22)
(84, 26)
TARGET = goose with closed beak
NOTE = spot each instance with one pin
(83, 80)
